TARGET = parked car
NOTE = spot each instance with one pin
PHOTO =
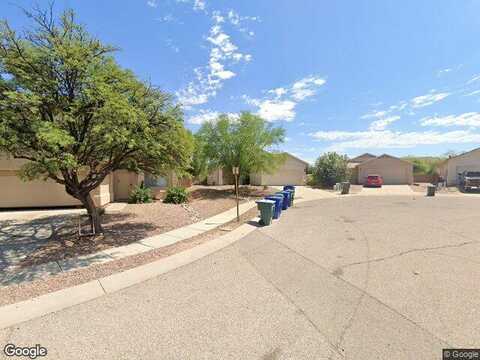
(469, 180)
(374, 181)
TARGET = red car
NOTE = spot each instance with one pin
(374, 180)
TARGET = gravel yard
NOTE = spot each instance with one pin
(27, 290)
(135, 222)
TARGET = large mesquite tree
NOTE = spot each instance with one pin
(76, 115)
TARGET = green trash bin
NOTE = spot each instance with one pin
(345, 188)
(266, 208)
(431, 190)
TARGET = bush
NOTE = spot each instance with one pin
(310, 180)
(176, 195)
(330, 169)
(140, 195)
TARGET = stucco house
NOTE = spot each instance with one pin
(454, 165)
(292, 172)
(393, 170)
(220, 177)
(15, 193)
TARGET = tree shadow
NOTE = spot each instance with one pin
(64, 241)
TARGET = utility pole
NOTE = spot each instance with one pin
(236, 173)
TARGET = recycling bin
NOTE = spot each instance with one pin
(431, 190)
(266, 208)
(278, 204)
(286, 199)
(292, 194)
(290, 187)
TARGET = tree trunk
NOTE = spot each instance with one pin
(95, 221)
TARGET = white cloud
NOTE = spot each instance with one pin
(203, 116)
(471, 119)
(473, 93)
(273, 110)
(238, 21)
(306, 88)
(381, 124)
(278, 92)
(474, 79)
(152, 3)
(444, 71)
(375, 114)
(199, 5)
(389, 139)
(225, 74)
(428, 99)
(280, 103)
(210, 78)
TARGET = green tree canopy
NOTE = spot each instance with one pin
(244, 142)
(69, 108)
(331, 168)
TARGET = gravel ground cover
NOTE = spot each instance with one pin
(136, 222)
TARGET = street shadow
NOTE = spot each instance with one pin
(255, 223)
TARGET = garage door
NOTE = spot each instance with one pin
(394, 176)
(284, 177)
(391, 175)
(16, 193)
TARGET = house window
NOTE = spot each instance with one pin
(154, 181)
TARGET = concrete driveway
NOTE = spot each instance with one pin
(388, 190)
(353, 278)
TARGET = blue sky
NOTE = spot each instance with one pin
(401, 77)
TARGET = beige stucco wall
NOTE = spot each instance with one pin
(455, 165)
(393, 171)
(220, 177)
(215, 177)
(39, 193)
(291, 172)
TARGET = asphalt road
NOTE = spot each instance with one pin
(352, 277)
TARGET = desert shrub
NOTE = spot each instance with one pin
(330, 168)
(140, 195)
(176, 195)
(310, 180)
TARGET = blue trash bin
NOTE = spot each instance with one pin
(292, 188)
(286, 199)
(278, 204)
(292, 194)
